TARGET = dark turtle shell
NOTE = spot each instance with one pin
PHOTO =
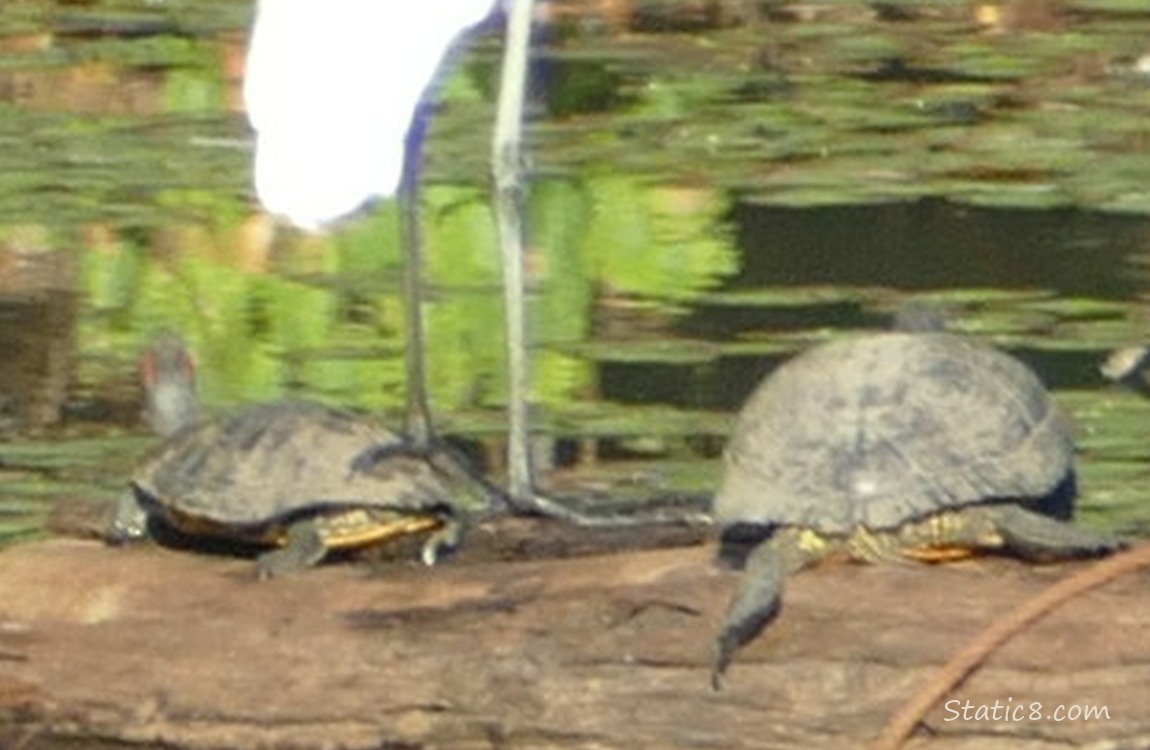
(881, 429)
(248, 473)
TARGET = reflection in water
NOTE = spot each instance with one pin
(1016, 275)
(933, 244)
(325, 317)
(664, 285)
(37, 325)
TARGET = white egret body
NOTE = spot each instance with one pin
(331, 89)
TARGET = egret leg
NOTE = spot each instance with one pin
(509, 185)
(507, 172)
(303, 548)
(419, 425)
(418, 417)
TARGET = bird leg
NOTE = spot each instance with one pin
(507, 174)
(418, 426)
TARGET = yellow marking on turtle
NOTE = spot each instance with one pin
(934, 539)
(360, 527)
(869, 546)
(343, 529)
(812, 542)
(937, 554)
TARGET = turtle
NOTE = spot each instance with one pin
(897, 445)
(297, 475)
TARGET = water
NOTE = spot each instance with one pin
(707, 197)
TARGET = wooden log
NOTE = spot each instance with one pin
(155, 646)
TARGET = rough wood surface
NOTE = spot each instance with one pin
(610, 649)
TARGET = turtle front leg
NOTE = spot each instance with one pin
(759, 596)
(304, 546)
(443, 541)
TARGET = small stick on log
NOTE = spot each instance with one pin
(960, 666)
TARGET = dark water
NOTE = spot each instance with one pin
(707, 197)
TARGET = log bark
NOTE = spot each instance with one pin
(502, 648)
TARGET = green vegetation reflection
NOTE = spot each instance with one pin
(323, 315)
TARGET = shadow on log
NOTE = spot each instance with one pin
(154, 647)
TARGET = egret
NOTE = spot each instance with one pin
(338, 93)
(332, 90)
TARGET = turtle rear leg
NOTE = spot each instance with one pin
(1013, 528)
(304, 546)
(759, 596)
(1033, 535)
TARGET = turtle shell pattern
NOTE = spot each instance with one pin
(257, 468)
(878, 430)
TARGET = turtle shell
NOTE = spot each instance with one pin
(882, 429)
(247, 473)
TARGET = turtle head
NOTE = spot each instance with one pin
(169, 378)
(128, 522)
